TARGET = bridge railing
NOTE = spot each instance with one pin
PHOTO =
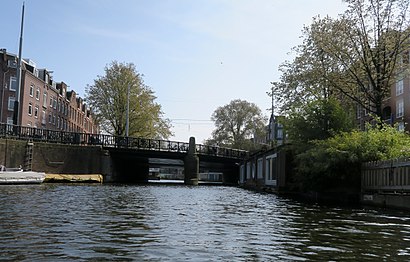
(220, 151)
(65, 137)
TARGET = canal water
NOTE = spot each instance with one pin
(66, 222)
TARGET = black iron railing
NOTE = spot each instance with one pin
(221, 151)
(64, 137)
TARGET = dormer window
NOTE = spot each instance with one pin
(12, 63)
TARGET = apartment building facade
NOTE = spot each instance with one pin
(44, 103)
(396, 107)
(398, 104)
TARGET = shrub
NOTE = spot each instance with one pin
(336, 161)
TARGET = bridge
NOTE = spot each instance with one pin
(136, 153)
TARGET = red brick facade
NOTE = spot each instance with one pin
(44, 103)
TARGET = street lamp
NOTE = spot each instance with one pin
(127, 123)
(17, 100)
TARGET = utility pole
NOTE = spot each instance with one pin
(273, 103)
(17, 99)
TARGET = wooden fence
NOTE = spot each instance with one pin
(386, 176)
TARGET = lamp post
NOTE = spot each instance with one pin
(5, 69)
(127, 123)
(17, 99)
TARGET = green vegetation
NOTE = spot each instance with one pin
(354, 58)
(319, 119)
(237, 123)
(108, 98)
(344, 64)
(335, 162)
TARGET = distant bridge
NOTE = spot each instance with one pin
(136, 143)
(134, 152)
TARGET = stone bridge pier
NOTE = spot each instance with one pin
(191, 165)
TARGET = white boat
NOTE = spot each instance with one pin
(20, 176)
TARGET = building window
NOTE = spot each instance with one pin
(268, 171)
(248, 170)
(31, 90)
(43, 118)
(30, 109)
(11, 103)
(399, 108)
(400, 126)
(36, 111)
(253, 170)
(13, 83)
(399, 87)
(260, 169)
(12, 63)
(45, 99)
(50, 118)
(51, 101)
(38, 93)
(242, 174)
(279, 134)
(271, 175)
(9, 120)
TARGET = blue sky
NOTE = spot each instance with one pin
(196, 55)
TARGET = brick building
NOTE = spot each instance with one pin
(44, 103)
(396, 107)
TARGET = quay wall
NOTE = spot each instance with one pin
(12, 152)
(386, 183)
(54, 158)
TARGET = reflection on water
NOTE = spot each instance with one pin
(57, 222)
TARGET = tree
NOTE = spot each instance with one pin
(357, 56)
(236, 124)
(108, 98)
(320, 119)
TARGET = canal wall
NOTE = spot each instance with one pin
(56, 159)
(386, 183)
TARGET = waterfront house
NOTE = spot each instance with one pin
(265, 170)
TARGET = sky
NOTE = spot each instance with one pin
(195, 55)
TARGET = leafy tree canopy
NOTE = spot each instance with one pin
(108, 98)
(318, 120)
(236, 124)
(355, 57)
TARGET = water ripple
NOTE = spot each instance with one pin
(57, 222)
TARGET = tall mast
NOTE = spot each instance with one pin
(17, 99)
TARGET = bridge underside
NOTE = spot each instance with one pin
(133, 166)
(130, 169)
(229, 170)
